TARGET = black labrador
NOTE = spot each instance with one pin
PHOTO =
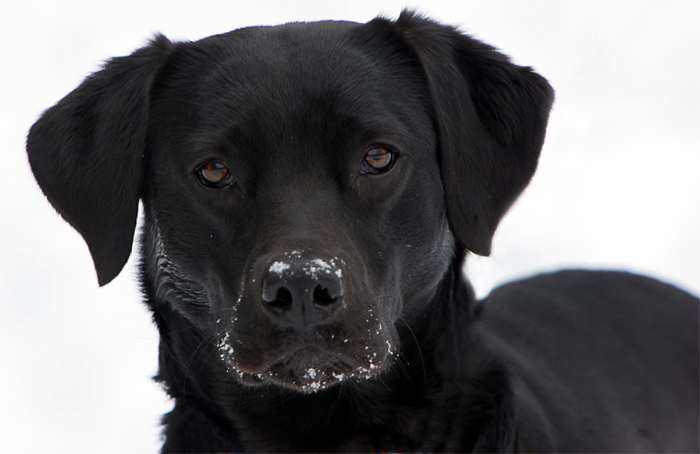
(310, 192)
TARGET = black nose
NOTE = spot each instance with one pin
(302, 293)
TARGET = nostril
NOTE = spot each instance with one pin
(301, 293)
(283, 300)
(323, 297)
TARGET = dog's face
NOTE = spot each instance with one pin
(293, 187)
(305, 187)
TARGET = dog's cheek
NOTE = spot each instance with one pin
(371, 338)
(191, 244)
(173, 282)
(426, 245)
(431, 262)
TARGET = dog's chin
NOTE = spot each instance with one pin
(310, 371)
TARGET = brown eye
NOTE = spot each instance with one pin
(377, 160)
(214, 174)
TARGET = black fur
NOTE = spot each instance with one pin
(313, 303)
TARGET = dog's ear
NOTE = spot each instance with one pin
(490, 116)
(86, 154)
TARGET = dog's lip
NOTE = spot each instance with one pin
(310, 370)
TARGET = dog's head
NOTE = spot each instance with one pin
(304, 186)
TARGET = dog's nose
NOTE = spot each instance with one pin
(302, 293)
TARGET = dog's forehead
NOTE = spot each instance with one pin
(284, 69)
(255, 51)
(288, 80)
(296, 67)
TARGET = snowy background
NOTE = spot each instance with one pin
(618, 185)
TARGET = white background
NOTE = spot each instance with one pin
(618, 185)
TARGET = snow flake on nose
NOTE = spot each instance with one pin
(279, 267)
(310, 373)
(313, 268)
(318, 266)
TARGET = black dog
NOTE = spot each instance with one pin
(310, 192)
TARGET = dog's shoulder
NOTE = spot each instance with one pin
(608, 326)
(593, 287)
(582, 304)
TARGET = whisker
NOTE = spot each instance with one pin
(420, 352)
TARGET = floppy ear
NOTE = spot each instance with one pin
(491, 117)
(86, 154)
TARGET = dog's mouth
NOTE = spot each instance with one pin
(310, 370)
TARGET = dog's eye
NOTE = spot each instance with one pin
(377, 160)
(214, 174)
